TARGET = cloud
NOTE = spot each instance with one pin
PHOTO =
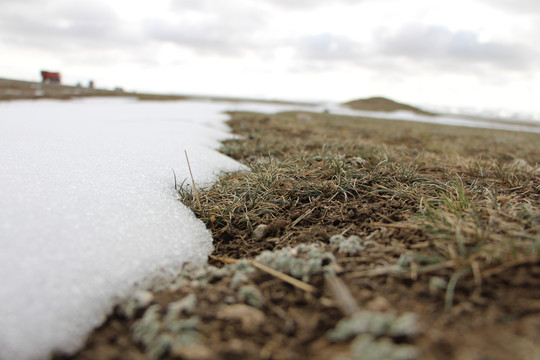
(210, 27)
(287, 4)
(525, 7)
(328, 47)
(439, 45)
(310, 4)
(67, 27)
(17, 2)
(198, 37)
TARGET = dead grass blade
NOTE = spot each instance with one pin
(195, 192)
(278, 274)
(342, 295)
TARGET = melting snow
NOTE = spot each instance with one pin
(88, 208)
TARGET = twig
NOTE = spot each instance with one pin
(289, 279)
(345, 231)
(278, 274)
(342, 295)
(383, 270)
(399, 271)
(301, 217)
(476, 273)
(501, 268)
(224, 260)
(393, 225)
(193, 181)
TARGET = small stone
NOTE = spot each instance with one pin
(258, 233)
(250, 318)
(522, 164)
(437, 285)
(380, 304)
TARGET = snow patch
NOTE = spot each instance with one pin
(88, 210)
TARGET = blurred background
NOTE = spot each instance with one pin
(472, 56)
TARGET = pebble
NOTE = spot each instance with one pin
(258, 233)
(250, 318)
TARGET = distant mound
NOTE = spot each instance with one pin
(383, 104)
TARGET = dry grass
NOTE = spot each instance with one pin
(352, 238)
(475, 193)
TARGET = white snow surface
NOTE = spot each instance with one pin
(88, 208)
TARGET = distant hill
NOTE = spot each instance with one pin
(383, 104)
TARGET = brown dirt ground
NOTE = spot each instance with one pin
(493, 316)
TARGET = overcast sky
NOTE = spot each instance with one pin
(477, 53)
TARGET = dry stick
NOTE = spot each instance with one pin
(284, 277)
(476, 273)
(422, 245)
(301, 217)
(399, 271)
(345, 231)
(383, 270)
(289, 279)
(501, 268)
(193, 182)
(342, 295)
(393, 225)
(224, 260)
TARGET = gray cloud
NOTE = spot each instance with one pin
(211, 39)
(303, 4)
(65, 28)
(220, 28)
(439, 45)
(235, 28)
(196, 5)
(328, 47)
(239, 4)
